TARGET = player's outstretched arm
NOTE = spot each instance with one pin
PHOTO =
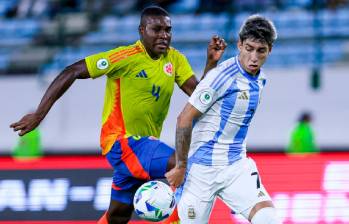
(215, 50)
(183, 137)
(56, 89)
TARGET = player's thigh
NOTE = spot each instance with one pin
(194, 210)
(246, 188)
(162, 160)
(197, 194)
(142, 157)
(136, 160)
(129, 172)
(155, 156)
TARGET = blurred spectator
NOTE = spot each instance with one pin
(302, 137)
(28, 146)
(40, 8)
(162, 3)
(215, 6)
(335, 4)
(63, 6)
(31, 8)
(254, 5)
(98, 7)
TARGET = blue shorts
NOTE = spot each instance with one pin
(136, 160)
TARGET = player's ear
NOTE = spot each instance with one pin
(270, 48)
(141, 29)
(239, 44)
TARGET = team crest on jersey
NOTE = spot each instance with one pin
(102, 63)
(191, 212)
(205, 97)
(168, 69)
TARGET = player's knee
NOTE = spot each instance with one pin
(266, 215)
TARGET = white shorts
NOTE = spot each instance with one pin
(238, 185)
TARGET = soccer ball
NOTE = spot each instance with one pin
(154, 201)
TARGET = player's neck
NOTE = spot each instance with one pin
(151, 54)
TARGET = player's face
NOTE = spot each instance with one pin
(253, 55)
(156, 35)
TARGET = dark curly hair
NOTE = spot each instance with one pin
(258, 28)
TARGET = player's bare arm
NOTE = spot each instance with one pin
(56, 89)
(183, 137)
(215, 50)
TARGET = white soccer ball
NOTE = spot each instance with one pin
(154, 201)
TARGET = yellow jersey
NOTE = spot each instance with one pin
(138, 90)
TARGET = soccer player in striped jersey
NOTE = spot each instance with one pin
(211, 154)
(140, 82)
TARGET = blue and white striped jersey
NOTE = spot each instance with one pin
(228, 98)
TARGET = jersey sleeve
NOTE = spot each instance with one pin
(183, 70)
(205, 95)
(101, 64)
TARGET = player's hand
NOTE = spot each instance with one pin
(26, 124)
(215, 49)
(175, 176)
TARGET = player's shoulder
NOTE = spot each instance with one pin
(262, 74)
(132, 48)
(124, 53)
(262, 77)
(221, 75)
(224, 68)
(230, 62)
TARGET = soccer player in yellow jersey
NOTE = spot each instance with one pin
(140, 82)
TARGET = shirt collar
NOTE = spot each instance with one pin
(140, 44)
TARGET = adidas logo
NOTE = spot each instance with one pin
(142, 74)
(261, 194)
(243, 96)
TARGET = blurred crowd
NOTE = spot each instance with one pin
(50, 8)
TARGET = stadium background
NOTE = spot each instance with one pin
(307, 70)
